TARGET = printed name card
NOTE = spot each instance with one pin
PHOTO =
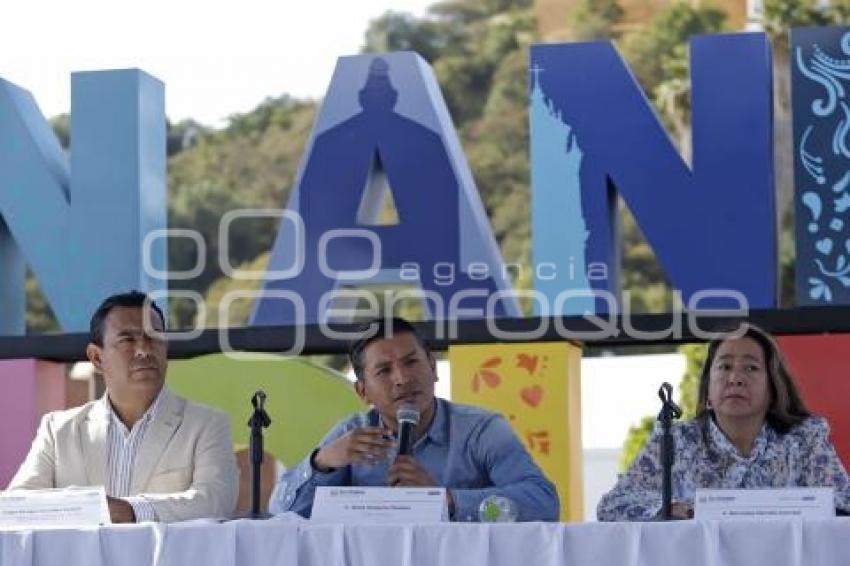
(803, 502)
(380, 505)
(53, 508)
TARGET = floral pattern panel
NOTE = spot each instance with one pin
(820, 71)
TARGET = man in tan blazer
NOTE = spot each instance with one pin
(160, 457)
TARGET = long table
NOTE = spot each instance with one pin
(291, 542)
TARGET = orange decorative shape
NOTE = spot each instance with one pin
(532, 395)
(538, 441)
(527, 362)
(491, 378)
(492, 362)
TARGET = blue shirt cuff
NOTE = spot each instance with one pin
(302, 477)
(467, 502)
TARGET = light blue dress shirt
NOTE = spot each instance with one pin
(473, 452)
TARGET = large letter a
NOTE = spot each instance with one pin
(382, 123)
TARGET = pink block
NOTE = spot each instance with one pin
(28, 390)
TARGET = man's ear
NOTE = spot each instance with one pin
(433, 361)
(93, 353)
(360, 389)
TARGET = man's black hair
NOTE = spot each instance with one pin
(129, 299)
(379, 329)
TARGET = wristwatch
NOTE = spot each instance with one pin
(313, 462)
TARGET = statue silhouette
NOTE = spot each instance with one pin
(425, 191)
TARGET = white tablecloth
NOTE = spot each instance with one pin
(745, 543)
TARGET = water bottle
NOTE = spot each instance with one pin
(497, 509)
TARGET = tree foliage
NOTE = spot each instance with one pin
(659, 47)
(250, 164)
(595, 19)
(399, 31)
(236, 313)
(40, 318)
(781, 15)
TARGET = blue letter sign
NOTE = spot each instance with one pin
(712, 225)
(384, 127)
(81, 225)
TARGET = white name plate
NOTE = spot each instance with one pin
(380, 505)
(53, 507)
(803, 502)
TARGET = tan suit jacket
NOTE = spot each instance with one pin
(185, 464)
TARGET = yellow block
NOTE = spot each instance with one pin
(537, 387)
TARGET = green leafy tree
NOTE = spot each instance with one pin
(61, 125)
(249, 164)
(780, 16)
(398, 31)
(239, 311)
(497, 150)
(595, 19)
(652, 49)
(689, 388)
(40, 318)
(183, 135)
(470, 11)
(636, 439)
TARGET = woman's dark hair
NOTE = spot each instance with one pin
(378, 329)
(786, 408)
(128, 299)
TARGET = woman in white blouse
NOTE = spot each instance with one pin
(752, 430)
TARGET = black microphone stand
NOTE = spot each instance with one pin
(259, 420)
(669, 411)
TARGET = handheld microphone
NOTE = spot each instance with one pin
(407, 418)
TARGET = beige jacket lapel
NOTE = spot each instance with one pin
(168, 418)
(93, 442)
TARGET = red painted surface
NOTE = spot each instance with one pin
(821, 365)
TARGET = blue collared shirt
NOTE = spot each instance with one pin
(473, 452)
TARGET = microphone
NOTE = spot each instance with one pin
(669, 411)
(665, 393)
(259, 399)
(407, 418)
(259, 420)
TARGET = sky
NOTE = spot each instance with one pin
(215, 58)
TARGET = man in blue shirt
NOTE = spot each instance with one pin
(472, 452)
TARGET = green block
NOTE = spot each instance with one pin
(303, 400)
